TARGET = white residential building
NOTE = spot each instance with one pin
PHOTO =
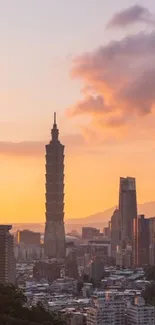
(109, 310)
(140, 314)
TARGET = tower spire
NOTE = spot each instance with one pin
(55, 131)
(55, 118)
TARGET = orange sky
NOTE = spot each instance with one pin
(99, 76)
(92, 181)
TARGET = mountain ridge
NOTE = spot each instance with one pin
(98, 220)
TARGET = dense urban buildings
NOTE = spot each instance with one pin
(7, 261)
(127, 208)
(93, 278)
(54, 241)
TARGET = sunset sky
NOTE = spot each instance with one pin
(93, 62)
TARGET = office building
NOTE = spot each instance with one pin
(54, 241)
(89, 233)
(115, 232)
(124, 256)
(106, 231)
(71, 265)
(28, 237)
(109, 310)
(139, 313)
(141, 241)
(127, 207)
(152, 241)
(28, 253)
(96, 270)
(7, 261)
(49, 270)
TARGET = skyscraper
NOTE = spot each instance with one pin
(127, 207)
(152, 240)
(54, 241)
(7, 261)
(141, 241)
(115, 232)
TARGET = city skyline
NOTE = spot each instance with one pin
(49, 71)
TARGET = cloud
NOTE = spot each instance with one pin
(121, 74)
(94, 104)
(25, 148)
(131, 15)
(37, 148)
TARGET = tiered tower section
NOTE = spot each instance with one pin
(54, 241)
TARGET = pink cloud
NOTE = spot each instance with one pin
(89, 104)
(37, 148)
(121, 74)
(131, 15)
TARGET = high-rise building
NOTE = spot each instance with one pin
(115, 232)
(141, 241)
(28, 237)
(139, 313)
(127, 207)
(54, 241)
(49, 269)
(7, 261)
(152, 241)
(71, 265)
(109, 310)
(96, 270)
(124, 256)
(89, 232)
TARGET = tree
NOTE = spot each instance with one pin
(13, 311)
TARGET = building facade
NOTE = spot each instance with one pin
(152, 241)
(28, 237)
(127, 207)
(109, 310)
(139, 313)
(141, 241)
(49, 270)
(115, 232)
(89, 233)
(54, 241)
(7, 260)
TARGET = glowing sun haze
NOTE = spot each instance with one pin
(94, 64)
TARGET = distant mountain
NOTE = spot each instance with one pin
(148, 209)
(98, 220)
(93, 218)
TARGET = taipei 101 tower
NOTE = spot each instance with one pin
(54, 240)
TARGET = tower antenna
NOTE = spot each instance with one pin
(55, 118)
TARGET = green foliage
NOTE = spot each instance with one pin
(13, 311)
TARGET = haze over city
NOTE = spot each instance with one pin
(92, 63)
